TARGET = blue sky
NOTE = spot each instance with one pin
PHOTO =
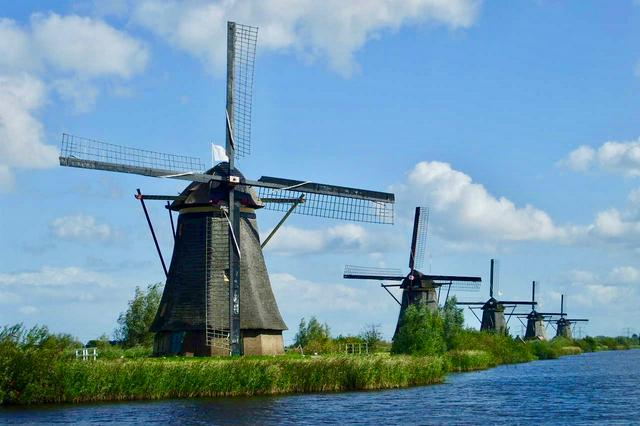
(516, 123)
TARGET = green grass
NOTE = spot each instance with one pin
(127, 379)
(49, 373)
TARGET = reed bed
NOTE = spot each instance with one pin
(114, 380)
(470, 360)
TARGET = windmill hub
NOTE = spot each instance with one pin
(199, 194)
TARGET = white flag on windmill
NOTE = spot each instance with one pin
(218, 153)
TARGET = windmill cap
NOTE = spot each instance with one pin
(198, 194)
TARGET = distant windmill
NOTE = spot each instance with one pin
(536, 327)
(218, 297)
(563, 324)
(493, 318)
(417, 288)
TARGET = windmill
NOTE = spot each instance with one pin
(493, 318)
(218, 297)
(417, 288)
(536, 327)
(563, 324)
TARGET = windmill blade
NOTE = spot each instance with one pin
(419, 238)
(91, 154)
(577, 319)
(494, 279)
(329, 201)
(465, 286)
(241, 53)
(353, 272)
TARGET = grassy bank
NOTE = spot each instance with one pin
(31, 375)
(44, 370)
(129, 379)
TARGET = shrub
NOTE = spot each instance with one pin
(134, 323)
(421, 333)
(314, 337)
(453, 322)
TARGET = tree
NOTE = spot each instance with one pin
(421, 333)
(453, 318)
(133, 325)
(314, 336)
(371, 335)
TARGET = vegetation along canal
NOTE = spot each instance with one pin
(593, 388)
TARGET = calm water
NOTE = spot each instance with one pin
(588, 389)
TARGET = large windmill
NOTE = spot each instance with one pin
(417, 288)
(218, 298)
(493, 318)
(563, 324)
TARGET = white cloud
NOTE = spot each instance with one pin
(20, 132)
(291, 240)
(56, 277)
(15, 48)
(463, 206)
(86, 46)
(580, 159)
(331, 29)
(81, 227)
(79, 92)
(591, 289)
(469, 218)
(63, 53)
(617, 157)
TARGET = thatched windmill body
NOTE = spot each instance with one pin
(563, 324)
(536, 327)
(417, 288)
(493, 317)
(218, 298)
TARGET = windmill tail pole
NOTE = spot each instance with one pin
(140, 197)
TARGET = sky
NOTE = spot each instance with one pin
(516, 123)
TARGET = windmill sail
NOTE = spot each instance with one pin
(328, 201)
(86, 153)
(243, 40)
(372, 273)
(419, 240)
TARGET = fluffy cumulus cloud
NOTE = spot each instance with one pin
(87, 47)
(612, 156)
(81, 227)
(470, 217)
(591, 289)
(330, 29)
(21, 133)
(66, 55)
(466, 206)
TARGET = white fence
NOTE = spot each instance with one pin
(86, 354)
